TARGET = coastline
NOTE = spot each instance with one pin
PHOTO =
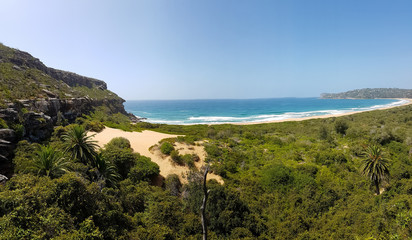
(408, 102)
(142, 142)
(254, 111)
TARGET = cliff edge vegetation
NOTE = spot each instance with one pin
(24, 77)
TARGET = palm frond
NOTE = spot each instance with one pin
(107, 170)
(375, 165)
(50, 162)
(81, 147)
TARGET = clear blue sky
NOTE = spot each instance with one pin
(197, 49)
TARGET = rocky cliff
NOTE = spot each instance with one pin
(33, 97)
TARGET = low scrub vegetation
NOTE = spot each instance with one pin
(340, 178)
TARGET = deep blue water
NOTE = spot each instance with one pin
(247, 110)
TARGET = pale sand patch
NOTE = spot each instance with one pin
(199, 150)
(409, 101)
(142, 141)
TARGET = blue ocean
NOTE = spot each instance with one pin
(247, 110)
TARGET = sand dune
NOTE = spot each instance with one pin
(142, 141)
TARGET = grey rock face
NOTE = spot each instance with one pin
(43, 113)
(7, 146)
(37, 126)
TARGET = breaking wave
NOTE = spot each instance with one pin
(186, 118)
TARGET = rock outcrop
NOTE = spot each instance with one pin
(41, 115)
(34, 97)
(7, 140)
(7, 146)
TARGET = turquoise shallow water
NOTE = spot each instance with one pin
(247, 110)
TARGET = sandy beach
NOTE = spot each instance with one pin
(141, 142)
(408, 102)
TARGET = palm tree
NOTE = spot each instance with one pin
(50, 162)
(79, 145)
(106, 171)
(375, 166)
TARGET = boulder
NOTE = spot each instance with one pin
(37, 126)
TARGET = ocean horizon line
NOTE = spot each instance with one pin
(244, 111)
(207, 99)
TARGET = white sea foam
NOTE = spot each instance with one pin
(283, 116)
(176, 122)
(269, 117)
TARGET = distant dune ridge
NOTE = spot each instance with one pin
(370, 93)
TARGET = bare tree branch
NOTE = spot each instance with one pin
(203, 207)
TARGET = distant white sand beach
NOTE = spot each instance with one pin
(407, 101)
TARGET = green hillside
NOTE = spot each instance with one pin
(24, 77)
(370, 93)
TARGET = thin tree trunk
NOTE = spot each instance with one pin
(203, 207)
(377, 188)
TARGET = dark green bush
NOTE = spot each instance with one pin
(330, 157)
(323, 132)
(190, 159)
(19, 130)
(166, 148)
(144, 170)
(94, 126)
(276, 176)
(3, 124)
(25, 152)
(173, 184)
(118, 142)
(341, 126)
(123, 158)
(176, 157)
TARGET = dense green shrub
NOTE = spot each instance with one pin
(226, 210)
(3, 124)
(123, 158)
(341, 126)
(166, 148)
(59, 131)
(118, 142)
(173, 184)
(144, 170)
(190, 159)
(323, 132)
(94, 126)
(330, 157)
(19, 130)
(276, 176)
(25, 153)
(175, 156)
